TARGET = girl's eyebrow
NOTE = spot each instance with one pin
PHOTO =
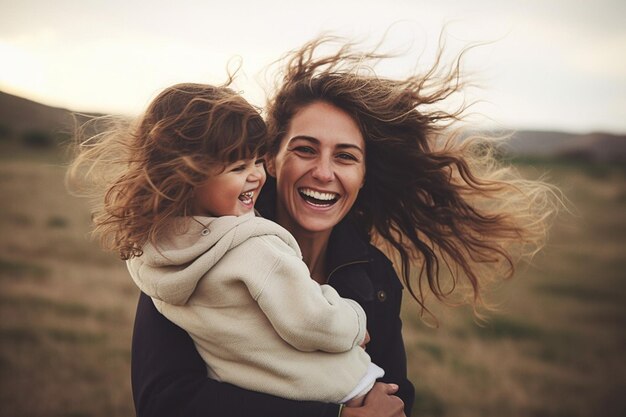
(316, 141)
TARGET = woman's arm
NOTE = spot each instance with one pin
(169, 378)
(381, 400)
(393, 361)
(387, 347)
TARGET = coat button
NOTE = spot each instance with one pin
(382, 296)
(205, 232)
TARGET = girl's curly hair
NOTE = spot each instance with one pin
(143, 173)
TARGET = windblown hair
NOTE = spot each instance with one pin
(434, 201)
(143, 174)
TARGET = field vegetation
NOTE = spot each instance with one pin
(554, 348)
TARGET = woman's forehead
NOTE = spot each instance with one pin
(325, 124)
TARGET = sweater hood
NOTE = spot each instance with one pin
(190, 247)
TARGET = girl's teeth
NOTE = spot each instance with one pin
(246, 197)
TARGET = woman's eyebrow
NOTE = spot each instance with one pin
(350, 146)
(311, 139)
(316, 141)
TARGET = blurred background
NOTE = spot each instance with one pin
(552, 72)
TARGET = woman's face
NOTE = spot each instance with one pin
(319, 168)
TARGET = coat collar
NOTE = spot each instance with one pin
(348, 255)
(346, 245)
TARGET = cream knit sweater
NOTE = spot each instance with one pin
(239, 287)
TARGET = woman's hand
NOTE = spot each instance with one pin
(379, 402)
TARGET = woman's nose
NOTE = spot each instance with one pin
(323, 170)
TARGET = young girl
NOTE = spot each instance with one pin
(181, 212)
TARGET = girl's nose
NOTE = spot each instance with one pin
(257, 173)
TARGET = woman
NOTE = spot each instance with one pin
(357, 158)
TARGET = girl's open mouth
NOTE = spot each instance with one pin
(246, 197)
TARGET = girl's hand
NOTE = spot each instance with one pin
(379, 402)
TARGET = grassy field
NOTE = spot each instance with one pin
(555, 348)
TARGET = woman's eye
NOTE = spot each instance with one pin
(304, 149)
(348, 157)
(260, 161)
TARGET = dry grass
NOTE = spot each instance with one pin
(556, 345)
(66, 308)
(554, 349)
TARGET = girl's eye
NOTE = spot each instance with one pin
(260, 161)
(238, 168)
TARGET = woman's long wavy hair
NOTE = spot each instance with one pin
(143, 173)
(434, 201)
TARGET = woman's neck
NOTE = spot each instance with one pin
(313, 246)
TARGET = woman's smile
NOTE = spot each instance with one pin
(320, 199)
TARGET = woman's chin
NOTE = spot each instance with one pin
(316, 217)
(317, 222)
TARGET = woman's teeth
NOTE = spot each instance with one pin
(318, 198)
(246, 197)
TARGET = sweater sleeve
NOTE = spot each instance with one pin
(169, 378)
(305, 314)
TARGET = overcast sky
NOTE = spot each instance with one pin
(551, 64)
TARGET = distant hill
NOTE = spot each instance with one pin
(20, 115)
(596, 146)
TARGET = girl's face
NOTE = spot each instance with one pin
(319, 168)
(231, 192)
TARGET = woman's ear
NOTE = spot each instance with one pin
(270, 166)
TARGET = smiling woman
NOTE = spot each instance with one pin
(320, 168)
(433, 200)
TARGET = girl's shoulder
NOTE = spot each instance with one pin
(265, 237)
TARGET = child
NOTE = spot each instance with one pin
(181, 213)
